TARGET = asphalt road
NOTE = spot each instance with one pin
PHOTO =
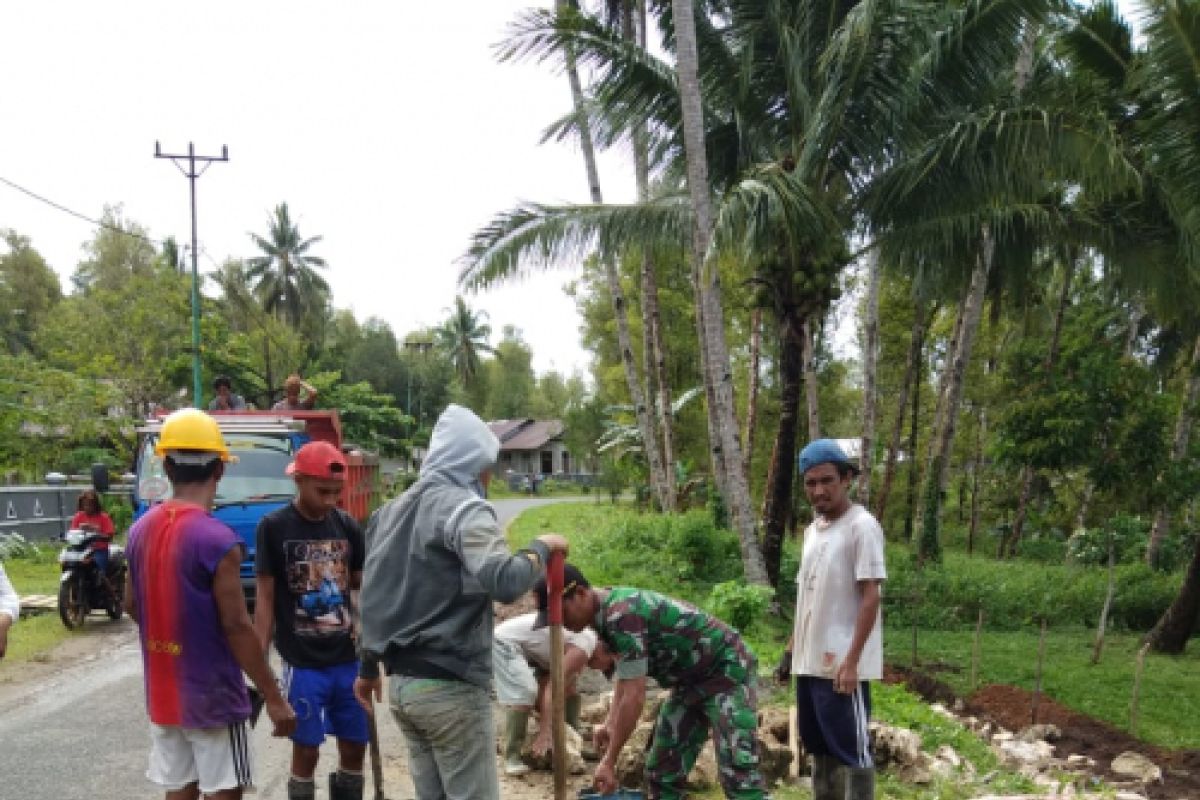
(81, 732)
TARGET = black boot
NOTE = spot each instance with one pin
(301, 790)
(861, 783)
(572, 710)
(829, 778)
(345, 785)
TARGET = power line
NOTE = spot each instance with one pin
(97, 222)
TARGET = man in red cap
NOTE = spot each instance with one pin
(310, 556)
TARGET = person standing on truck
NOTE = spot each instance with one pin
(309, 559)
(291, 395)
(436, 559)
(90, 516)
(836, 646)
(183, 589)
(225, 399)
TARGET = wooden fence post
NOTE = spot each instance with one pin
(975, 653)
(1137, 687)
(1037, 689)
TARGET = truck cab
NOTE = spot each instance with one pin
(264, 443)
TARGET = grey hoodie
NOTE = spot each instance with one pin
(436, 558)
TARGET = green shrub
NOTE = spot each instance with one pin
(718, 510)
(1042, 549)
(739, 603)
(14, 545)
(1016, 594)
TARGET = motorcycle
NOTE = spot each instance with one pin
(80, 588)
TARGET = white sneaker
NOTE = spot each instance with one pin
(515, 767)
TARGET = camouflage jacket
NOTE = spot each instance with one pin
(671, 641)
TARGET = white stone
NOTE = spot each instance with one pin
(1136, 765)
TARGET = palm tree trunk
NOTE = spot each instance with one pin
(1009, 544)
(707, 281)
(778, 492)
(910, 364)
(939, 465)
(637, 396)
(1183, 431)
(939, 406)
(810, 381)
(752, 392)
(870, 364)
(655, 366)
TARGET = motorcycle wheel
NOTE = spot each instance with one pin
(71, 607)
(116, 602)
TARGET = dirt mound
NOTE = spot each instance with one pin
(1012, 707)
(928, 688)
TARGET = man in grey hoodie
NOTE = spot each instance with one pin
(436, 559)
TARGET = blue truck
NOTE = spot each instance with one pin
(264, 443)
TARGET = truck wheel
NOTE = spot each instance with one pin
(70, 603)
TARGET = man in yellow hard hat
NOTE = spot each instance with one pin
(184, 591)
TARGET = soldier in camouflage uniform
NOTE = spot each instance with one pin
(704, 663)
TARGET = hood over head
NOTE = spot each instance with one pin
(462, 446)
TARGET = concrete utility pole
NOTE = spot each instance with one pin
(191, 174)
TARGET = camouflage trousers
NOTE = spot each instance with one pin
(685, 720)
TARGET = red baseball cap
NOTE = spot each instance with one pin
(319, 460)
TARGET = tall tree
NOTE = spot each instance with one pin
(285, 276)
(463, 336)
(717, 372)
(119, 250)
(29, 291)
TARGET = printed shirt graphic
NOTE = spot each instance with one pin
(669, 640)
(192, 679)
(312, 563)
(834, 558)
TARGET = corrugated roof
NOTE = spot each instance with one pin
(525, 434)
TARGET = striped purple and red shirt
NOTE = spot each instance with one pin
(192, 679)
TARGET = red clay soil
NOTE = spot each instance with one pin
(1012, 708)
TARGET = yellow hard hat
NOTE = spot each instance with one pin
(190, 429)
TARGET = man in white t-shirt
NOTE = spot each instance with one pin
(836, 643)
(521, 668)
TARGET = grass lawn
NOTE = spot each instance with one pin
(38, 633)
(1169, 702)
(1170, 693)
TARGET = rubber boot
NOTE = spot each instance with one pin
(571, 711)
(345, 785)
(301, 790)
(515, 724)
(829, 779)
(861, 783)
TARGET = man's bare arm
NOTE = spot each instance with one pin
(130, 603)
(264, 611)
(629, 696)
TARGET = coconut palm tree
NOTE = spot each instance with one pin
(463, 337)
(787, 98)
(285, 276)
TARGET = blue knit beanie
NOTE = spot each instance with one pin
(823, 451)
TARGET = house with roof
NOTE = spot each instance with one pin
(533, 447)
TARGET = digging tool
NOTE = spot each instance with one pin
(554, 593)
(376, 760)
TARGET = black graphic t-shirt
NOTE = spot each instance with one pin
(311, 563)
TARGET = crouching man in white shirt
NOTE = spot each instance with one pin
(836, 645)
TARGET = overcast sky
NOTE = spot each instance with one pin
(388, 128)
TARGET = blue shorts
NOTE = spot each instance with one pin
(323, 698)
(833, 724)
